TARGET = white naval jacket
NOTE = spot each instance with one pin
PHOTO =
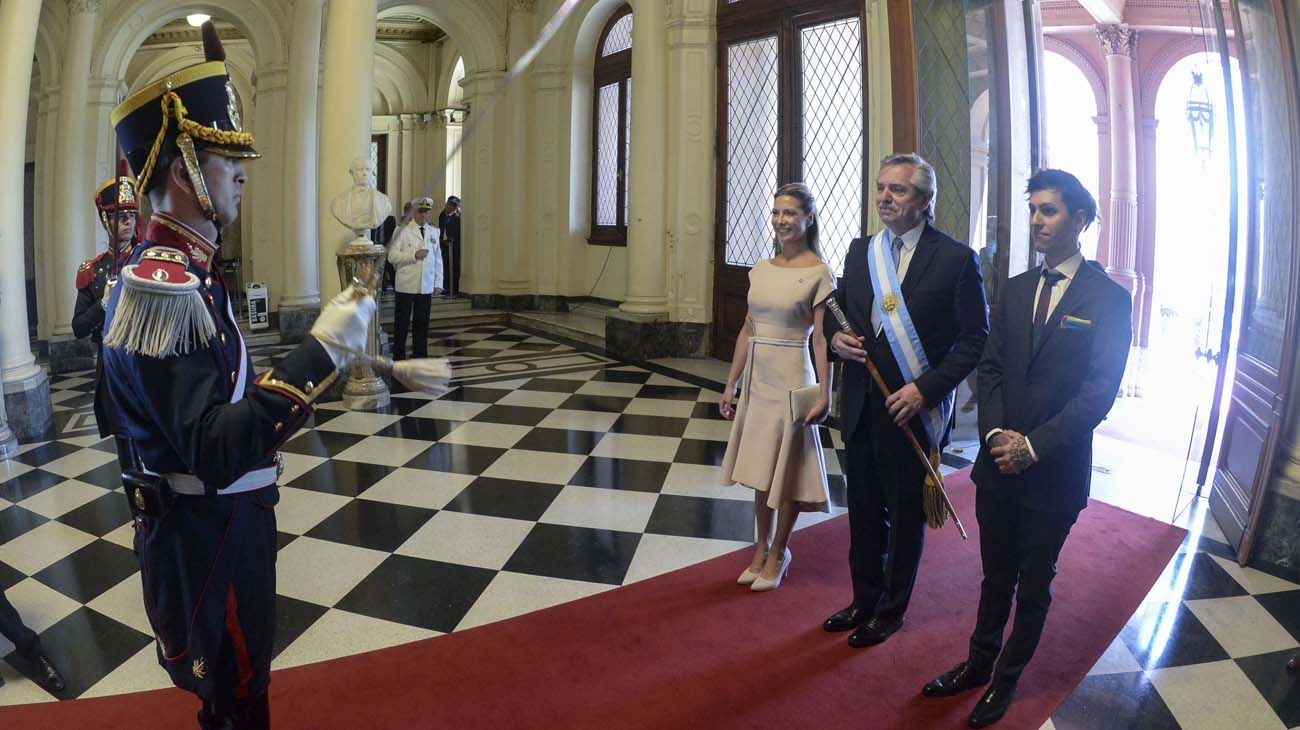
(413, 275)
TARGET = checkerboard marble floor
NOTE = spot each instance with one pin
(550, 473)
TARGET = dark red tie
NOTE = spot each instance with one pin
(1044, 302)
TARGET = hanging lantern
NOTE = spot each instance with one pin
(1200, 115)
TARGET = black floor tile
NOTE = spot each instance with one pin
(90, 571)
(10, 577)
(669, 392)
(25, 485)
(505, 498)
(552, 385)
(621, 376)
(292, 618)
(422, 429)
(520, 347)
(478, 353)
(108, 476)
(401, 406)
(85, 647)
(324, 444)
(1113, 702)
(650, 425)
(699, 451)
(320, 418)
(79, 401)
(1169, 635)
(950, 460)
(1204, 578)
(106, 445)
(513, 415)
(370, 524)
(575, 553)
(417, 592)
(601, 403)
(457, 458)
(836, 487)
(710, 411)
(282, 539)
(470, 394)
(628, 474)
(15, 521)
(719, 519)
(560, 440)
(1279, 687)
(1284, 606)
(346, 478)
(503, 337)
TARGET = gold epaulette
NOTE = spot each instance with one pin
(160, 311)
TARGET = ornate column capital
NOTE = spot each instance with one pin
(79, 7)
(1117, 40)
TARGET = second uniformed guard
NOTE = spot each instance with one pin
(118, 205)
(198, 429)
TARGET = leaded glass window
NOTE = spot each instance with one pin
(612, 131)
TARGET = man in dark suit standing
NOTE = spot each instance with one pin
(1048, 377)
(918, 297)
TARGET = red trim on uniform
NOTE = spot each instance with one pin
(236, 632)
(164, 230)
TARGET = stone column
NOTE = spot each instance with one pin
(512, 274)
(345, 127)
(647, 279)
(479, 225)
(1118, 43)
(43, 207)
(553, 260)
(410, 174)
(300, 302)
(27, 412)
(692, 41)
(1146, 237)
(74, 233)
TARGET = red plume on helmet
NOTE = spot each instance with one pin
(212, 48)
(123, 169)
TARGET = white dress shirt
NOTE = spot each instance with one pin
(416, 276)
(910, 239)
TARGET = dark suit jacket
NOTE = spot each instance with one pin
(944, 293)
(1056, 395)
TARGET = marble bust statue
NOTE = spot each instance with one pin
(361, 207)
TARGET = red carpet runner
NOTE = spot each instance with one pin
(692, 650)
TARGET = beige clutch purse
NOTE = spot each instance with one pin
(802, 401)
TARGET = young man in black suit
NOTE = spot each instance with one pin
(1049, 375)
(931, 294)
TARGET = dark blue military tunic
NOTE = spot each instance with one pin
(208, 566)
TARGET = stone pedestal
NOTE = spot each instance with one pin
(364, 261)
(295, 322)
(68, 354)
(644, 337)
(28, 408)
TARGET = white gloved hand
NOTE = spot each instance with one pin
(108, 291)
(343, 325)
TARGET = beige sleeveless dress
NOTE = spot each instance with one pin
(766, 451)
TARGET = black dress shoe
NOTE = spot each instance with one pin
(846, 620)
(955, 681)
(992, 706)
(1293, 665)
(49, 676)
(874, 632)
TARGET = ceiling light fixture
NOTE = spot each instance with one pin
(197, 19)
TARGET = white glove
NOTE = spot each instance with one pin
(343, 325)
(108, 291)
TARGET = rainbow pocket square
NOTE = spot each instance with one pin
(1069, 322)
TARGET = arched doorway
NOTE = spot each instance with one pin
(1072, 130)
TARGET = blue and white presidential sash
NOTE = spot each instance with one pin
(904, 342)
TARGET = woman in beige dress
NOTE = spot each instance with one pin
(780, 459)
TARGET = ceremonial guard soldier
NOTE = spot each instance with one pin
(199, 430)
(118, 205)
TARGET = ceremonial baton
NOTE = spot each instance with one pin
(834, 308)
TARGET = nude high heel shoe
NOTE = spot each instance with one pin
(749, 576)
(761, 584)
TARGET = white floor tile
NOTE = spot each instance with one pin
(322, 571)
(498, 435)
(300, 510)
(39, 605)
(702, 480)
(659, 554)
(1214, 696)
(514, 594)
(660, 407)
(78, 462)
(356, 422)
(140, 673)
(342, 633)
(579, 420)
(635, 446)
(43, 546)
(419, 488)
(384, 450)
(536, 466)
(62, 498)
(1241, 626)
(466, 539)
(604, 509)
(124, 603)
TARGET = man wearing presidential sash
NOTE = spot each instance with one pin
(917, 296)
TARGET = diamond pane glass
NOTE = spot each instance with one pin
(831, 70)
(752, 108)
(607, 155)
(619, 38)
(627, 143)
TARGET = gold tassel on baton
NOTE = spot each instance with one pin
(935, 500)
